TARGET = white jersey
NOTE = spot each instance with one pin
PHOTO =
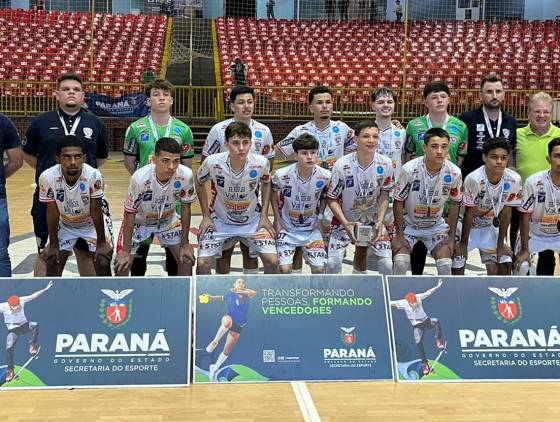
(391, 145)
(425, 195)
(416, 314)
(262, 142)
(73, 202)
(334, 141)
(489, 199)
(541, 198)
(235, 196)
(359, 188)
(14, 319)
(299, 199)
(153, 202)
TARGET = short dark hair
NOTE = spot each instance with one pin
(69, 141)
(433, 132)
(382, 92)
(168, 145)
(240, 89)
(70, 77)
(495, 143)
(553, 143)
(162, 84)
(238, 128)
(319, 89)
(435, 86)
(305, 141)
(491, 78)
(364, 124)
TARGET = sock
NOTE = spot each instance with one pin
(385, 266)
(443, 266)
(401, 264)
(250, 270)
(334, 266)
(354, 271)
(221, 359)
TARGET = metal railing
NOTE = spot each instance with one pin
(28, 98)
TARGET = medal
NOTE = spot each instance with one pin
(496, 206)
(496, 222)
(558, 225)
(301, 219)
(325, 165)
(553, 194)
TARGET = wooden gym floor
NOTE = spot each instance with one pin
(340, 401)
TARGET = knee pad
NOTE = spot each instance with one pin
(443, 266)
(401, 264)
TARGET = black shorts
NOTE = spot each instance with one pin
(236, 328)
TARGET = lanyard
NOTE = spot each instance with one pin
(498, 203)
(74, 126)
(154, 129)
(161, 208)
(430, 125)
(553, 194)
(427, 186)
(489, 126)
(362, 188)
(324, 138)
(298, 183)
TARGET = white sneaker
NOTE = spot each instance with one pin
(212, 374)
(210, 348)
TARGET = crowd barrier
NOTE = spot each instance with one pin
(116, 332)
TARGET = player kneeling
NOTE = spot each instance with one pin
(73, 191)
(298, 202)
(149, 210)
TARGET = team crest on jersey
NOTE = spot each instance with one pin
(266, 149)
(505, 308)
(506, 133)
(97, 184)
(88, 132)
(144, 137)
(452, 139)
(115, 311)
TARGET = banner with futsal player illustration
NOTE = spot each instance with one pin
(475, 328)
(257, 328)
(94, 332)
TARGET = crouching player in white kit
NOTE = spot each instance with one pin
(359, 197)
(540, 213)
(237, 176)
(298, 202)
(423, 187)
(149, 210)
(489, 194)
(73, 191)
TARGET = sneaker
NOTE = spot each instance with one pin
(210, 348)
(440, 343)
(212, 374)
(33, 349)
(425, 369)
(9, 375)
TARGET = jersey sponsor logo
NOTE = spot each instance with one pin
(144, 137)
(462, 146)
(177, 184)
(506, 186)
(177, 131)
(253, 173)
(379, 169)
(528, 203)
(97, 184)
(349, 182)
(452, 139)
(335, 129)
(147, 196)
(220, 181)
(320, 184)
(82, 186)
(59, 195)
(447, 178)
(88, 132)
(287, 191)
(416, 185)
(541, 197)
(266, 149)
(258, 134)
(397, 133)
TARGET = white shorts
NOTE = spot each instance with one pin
(167, 235)
(68, 236)
(212, 243)
(543, 243)
(312, 244)
(339, 240)
(431, 237)
(484, 239)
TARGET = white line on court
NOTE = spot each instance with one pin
(305, 401)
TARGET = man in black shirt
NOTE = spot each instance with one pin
(39, 147)
(486, 122)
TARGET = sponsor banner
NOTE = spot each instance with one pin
(128, 105)
(94, 332)
(266, 328)
(475, 328)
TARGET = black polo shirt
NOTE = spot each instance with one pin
(478, 133)
(9, 139)
(46, 129)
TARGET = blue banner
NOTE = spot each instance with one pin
(95, 332)
(128, 105)
(270, 328)
(475, 328)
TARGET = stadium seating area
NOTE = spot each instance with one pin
(39, 46)
(360, 54)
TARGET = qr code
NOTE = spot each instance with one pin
(269, 356)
